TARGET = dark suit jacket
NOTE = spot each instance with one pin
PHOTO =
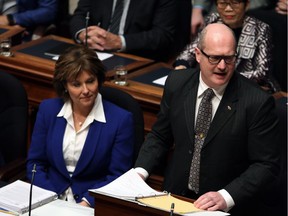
(107, 152)
(149, 28)
(240, 152)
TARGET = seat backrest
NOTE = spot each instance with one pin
(13, 118)
(127, 102)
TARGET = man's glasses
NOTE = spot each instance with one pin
(233, 4)
(215, 59)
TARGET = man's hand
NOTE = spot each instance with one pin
(282, 7)
(4, 20)
(83, 203)
(180, 67)
(100, 39)
(197, 21)
(211, 201)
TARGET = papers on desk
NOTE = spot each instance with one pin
(164, 203)
(62, 208)
(161, 81)
(129, 186)
(15, 197)
(55, 52)
(101, 55)
(207, 213)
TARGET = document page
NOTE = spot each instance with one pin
(180, 206)
(128, 186)
(62, 208)
(161, 81)
(101, 55)
(164, 203)
(15, 196)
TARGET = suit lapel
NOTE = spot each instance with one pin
(226, 109)
(189, 106)
(130, 14)
(60, 127)
(106, 13)
(90, 146)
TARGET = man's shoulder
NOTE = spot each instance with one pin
(182, 78)
(249, 89)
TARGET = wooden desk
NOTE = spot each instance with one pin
(149, 96)
(105, 205)
(32, 56)
(12, 32)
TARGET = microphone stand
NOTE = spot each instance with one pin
(31, 185)
(172, 209)
(86, 28)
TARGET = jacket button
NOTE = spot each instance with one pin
(190, 152)
(76, 196)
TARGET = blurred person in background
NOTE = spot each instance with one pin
(140, 27)
(254, 43)
(34, 15)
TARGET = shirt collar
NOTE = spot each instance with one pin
(97, 112)
(219, 91)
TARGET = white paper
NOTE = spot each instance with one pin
(15, 196)
(207, 213)
(161, 81)
(101, 55)
(128, 186)
(62, 208)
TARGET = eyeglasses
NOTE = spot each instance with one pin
(233, 4)
(215, 59)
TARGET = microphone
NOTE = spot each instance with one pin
(31, 185)
(172, 209)
(86, 28)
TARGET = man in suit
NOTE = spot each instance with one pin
(147, 28)
(239, 155)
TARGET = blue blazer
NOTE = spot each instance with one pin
(32, 13)
(107, 152)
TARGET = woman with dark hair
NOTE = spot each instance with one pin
(79, 141)
(254, 43)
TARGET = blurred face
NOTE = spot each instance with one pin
(217, 61)
(232, 12)
(83, 91)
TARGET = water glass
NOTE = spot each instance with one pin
(120, 77)
(5, 48)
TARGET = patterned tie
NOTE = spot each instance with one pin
(202, 125)
(115, 22)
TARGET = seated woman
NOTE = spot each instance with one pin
(79, 141)
(34, 15)
(254, 46)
